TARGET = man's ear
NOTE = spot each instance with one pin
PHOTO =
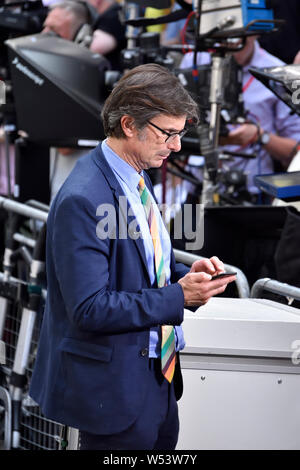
(128, 125)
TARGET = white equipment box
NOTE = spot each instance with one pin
(241, 12)
(241, 376)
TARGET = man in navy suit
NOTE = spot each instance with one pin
(98, 365)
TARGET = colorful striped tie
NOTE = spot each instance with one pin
(168, 355)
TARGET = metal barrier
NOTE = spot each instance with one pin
(241, 280)
(23, 209)
(36, 431)
(23, 425)
(290, 292)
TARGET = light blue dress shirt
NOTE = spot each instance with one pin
(264, 107)
(129, 179)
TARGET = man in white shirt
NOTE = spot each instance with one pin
(279, 131)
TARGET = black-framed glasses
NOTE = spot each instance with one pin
(171, 136)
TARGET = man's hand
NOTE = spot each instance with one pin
(197, 285)
(211, 266)
(243, 135)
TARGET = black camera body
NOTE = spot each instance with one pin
(148, 50)
(59, 88)
(16, 19)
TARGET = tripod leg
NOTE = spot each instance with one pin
(6, 418)
(18, 375)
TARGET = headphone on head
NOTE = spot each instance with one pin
(84, 33)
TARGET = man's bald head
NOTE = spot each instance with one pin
(65, 19)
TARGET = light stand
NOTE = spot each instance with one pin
(210, 151)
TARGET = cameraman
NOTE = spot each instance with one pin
(65, 19)
(274, 134)
(109, 33)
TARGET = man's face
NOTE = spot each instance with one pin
(59, 22)
(244, 56)
(149, 148)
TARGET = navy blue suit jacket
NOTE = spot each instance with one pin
(92, 366)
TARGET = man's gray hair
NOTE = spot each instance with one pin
(78, 10)
(144, 92)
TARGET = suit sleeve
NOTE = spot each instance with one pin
(82, 266)
(179, 271)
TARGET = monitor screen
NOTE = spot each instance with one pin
(284, 186)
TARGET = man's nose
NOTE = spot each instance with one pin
(175, 144)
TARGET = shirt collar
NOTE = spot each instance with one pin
(255, 57)
(125, 171)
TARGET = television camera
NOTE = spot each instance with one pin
(221, 27)
(284, 82)
(16, 19)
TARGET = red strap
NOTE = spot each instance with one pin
(246, 86)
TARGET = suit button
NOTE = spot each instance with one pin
(144, 352)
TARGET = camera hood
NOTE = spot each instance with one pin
(58, 89)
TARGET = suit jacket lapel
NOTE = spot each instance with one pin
(123, 209)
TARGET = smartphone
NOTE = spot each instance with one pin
(219, 276)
